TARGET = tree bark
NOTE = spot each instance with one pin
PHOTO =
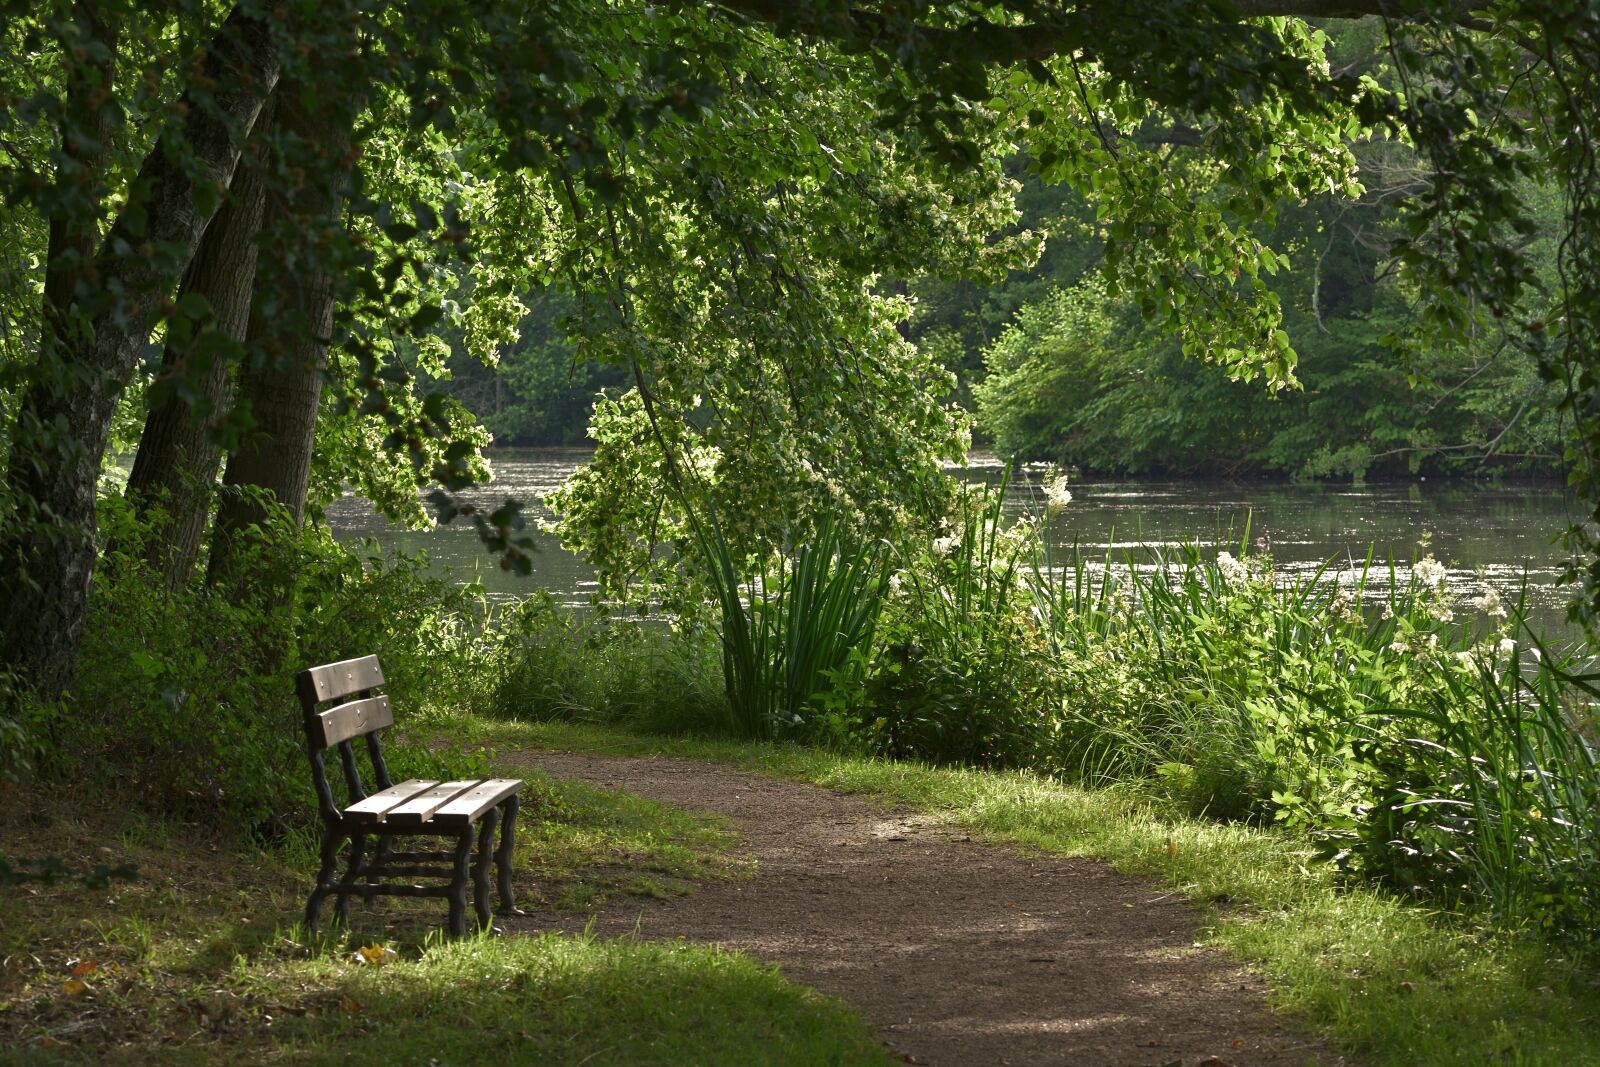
(175, 468)
(91, 346)
(278, 395)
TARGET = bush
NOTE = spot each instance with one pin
(545, 662)
(184, 700)
(962, 674)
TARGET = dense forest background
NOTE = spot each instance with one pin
(1053, 367)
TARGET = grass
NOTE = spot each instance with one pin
(195, 962)
(1391, 982)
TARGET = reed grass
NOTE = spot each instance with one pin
(789, 631)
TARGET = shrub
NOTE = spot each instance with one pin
(962, 674)
(545, 662)
(1412, 746)
(184, 700)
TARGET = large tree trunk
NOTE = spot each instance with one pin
(91, 344)
(290, 332)
(175, 469)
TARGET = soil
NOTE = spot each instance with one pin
(957, 951)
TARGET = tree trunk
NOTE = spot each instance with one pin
(175, 468)
(90, 347)
(279, 393)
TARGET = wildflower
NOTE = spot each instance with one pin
(1533, 654)
(1507, 646)
(1429, 572)
(1233, 571)
(1464, 660)
(1388, 611)
(945, 545)
(1489, 603)
(1056, 495)
(894, 585)
(1442, 611)
(1340, 607)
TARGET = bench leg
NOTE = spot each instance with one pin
(379, 858)
(457, 892)
(331, 840)
(480, 866)
(352, 871)
(502, 856)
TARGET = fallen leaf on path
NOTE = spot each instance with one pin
(74, 988)
(82, 968)
(374, 955)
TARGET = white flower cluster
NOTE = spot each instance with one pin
(1414, 644)
(1055, 494)
(1234, 571)
(1429, 573)
(1489, 603)
(945, 545)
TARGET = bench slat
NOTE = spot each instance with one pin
(354, 719)
(466, 807)
(334, 680)
(376, 807)
(420, 808)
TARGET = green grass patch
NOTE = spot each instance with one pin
(585, 844)
(1393, 983)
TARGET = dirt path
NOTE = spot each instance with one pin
(958, 952)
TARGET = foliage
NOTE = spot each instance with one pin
(538, 391)
(769, 376)
(1418, 748)
(958, 675)
(1080, 377)
(185, 702)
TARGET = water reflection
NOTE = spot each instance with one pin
(1496, 534)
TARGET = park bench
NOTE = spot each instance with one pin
(460, 810)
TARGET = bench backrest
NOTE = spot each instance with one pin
(336, 726)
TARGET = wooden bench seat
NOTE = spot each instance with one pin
(463, 810)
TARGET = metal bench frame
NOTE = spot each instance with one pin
(462, 810)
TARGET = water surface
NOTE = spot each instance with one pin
(1500, 535)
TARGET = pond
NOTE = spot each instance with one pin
(1501, 535)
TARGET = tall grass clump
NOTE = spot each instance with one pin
(1494, 789)
(796, 630)
(961, 670)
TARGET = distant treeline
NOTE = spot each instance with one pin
(1056, 367)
